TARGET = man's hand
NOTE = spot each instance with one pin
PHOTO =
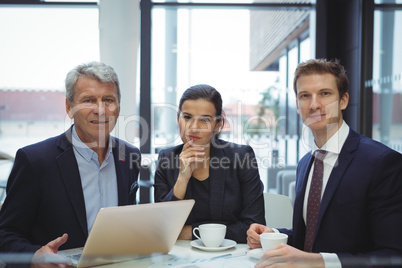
(253, 234)
(53, 246)
(287, 256)
(49, 251)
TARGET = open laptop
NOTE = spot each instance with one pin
(122, 233)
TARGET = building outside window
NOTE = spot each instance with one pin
(39, 46)
(387, 76)
(247, 53)
(238, 51)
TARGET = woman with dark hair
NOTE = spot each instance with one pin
(222, 177)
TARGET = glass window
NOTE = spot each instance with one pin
(388, 1)
(280, 144)
(214, 46)
(304, 134)
(387, 79)
(72, 1)
(292, 113)
(292, 116)
(39, 46)
(305, 50)
(240, 1)
(283, 74)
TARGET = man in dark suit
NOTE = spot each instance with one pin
(359, 215)
(57, 186)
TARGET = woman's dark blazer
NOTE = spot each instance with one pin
(236, 191)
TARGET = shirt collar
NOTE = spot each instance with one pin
(86, 152)
(336, 142)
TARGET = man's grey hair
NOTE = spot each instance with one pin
(94, 70)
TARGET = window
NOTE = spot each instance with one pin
(233, 50)
(39, 46)
(387, 78)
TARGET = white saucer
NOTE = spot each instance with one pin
(255, 253)
(227, 243)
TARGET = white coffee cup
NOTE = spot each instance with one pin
(271, 240)
(211, 234)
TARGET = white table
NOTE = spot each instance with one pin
(182, 255)
(185, 256)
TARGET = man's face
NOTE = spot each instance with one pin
(319, 104)
(95, 110)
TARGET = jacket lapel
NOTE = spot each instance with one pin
(122, 175)
(298, 221)
(124, 172)
(302, 177)
(71, 178)
(345, 158)
(217, 177)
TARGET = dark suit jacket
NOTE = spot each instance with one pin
(236, 191)
(45, 198)
(360, 216)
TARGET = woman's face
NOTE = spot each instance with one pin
(197, 121)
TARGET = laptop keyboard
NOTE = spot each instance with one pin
(74, 257)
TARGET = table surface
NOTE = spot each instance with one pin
(186, 256)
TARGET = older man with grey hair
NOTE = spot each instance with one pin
(57, 186)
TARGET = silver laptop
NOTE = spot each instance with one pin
(128, 232)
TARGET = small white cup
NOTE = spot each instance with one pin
(211, 234)
(271, 240)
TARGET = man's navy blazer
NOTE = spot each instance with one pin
(45, 198)
(360, 216)
(236, 191)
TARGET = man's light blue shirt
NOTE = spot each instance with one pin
(99, 182)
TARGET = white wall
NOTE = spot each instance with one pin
(119, 43)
